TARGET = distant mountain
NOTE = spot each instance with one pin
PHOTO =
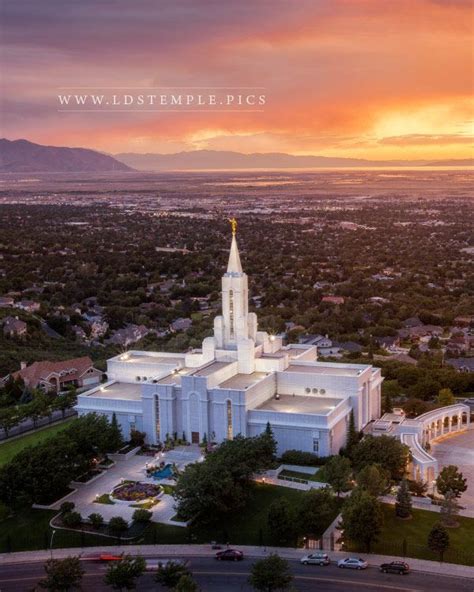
(21, 156)
(214, 159)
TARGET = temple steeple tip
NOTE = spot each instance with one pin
(234, 265)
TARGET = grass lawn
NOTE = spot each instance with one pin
(10, 448)
(416, 531)
(29, 529)
(318, 476)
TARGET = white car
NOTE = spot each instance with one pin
(316, 559)
(353, 563)
(157, 564)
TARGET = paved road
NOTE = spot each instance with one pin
(215, 576)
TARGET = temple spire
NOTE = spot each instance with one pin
(234, 265)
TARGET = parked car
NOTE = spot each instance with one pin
(353, 563)
(157, 564)
(316, 559)
(230, 555)
(398, 567)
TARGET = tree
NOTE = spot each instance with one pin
(66, 507)
(62, 574)
(117, 525)
(362, 518)
(186, 584)
(71, 519)
(438, 540)
(449, 510)
(316, 511)
(385, 451)
(403, 504)
(418, 487)
(446, 397)
(338, 472)
(169, 575)
(281, 522)
(8, 419)
(137, 438)
(116, 439)
(270, 574)
(142, 515)
(352, 435)
(373, 478)
(451, 479)
(123, 574)
(96, 519)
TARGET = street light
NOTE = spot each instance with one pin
(51, 543)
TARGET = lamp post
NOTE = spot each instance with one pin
(51, 543)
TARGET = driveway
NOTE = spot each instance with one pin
(458, 450)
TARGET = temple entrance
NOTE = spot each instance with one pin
(194, 437)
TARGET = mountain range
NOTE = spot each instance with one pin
(22, 156)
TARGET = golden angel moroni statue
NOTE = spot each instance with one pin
(233, 223)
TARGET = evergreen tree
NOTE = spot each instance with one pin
(449, 509)
(438, 540)
(403, 504)
(115, 438)
(352, 435)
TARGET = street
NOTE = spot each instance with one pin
(213, 576)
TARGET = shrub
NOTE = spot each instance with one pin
(71, 519)
(298, 457)
(137, 438)
(66, 507)
(117, 525)
(96, 519)
(142, 515)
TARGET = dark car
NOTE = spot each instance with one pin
(230, 555)
(398, 567)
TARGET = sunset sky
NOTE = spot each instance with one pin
(358, 78)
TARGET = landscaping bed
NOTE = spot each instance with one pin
(89, 476)
(318, 476)
(135, 491)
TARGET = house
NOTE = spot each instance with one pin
(333, 299)
(412, 322)
(388, 342)
(56, 376)
(181, 324)
(28, 305)
(14, 327)
(6, 301)
(130, 334)
(461, 364)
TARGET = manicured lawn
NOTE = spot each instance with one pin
(318, 476)
(416, 531)
(29, 529)
(10, 448)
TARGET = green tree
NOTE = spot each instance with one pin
(271, 574)
(385, 451)
(123, 574)
(449, 510)
(373, 478)
(353, 436)
(362, 518)
(71, 519)
(281, 522)
(142, 515)
(115, 438)
(62, 574)
(338, 472)
(96, 519)
(8, 419)
(316, 510)
(403, 503)
(438, 540)
(445, 397)
(451, 479)
(117, 525)
(186, 584)
(169, 575)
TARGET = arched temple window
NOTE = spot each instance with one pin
(229, 420)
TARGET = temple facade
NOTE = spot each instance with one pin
(238, 381)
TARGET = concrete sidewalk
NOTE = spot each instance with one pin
(432, 567)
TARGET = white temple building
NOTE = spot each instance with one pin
(238, 381)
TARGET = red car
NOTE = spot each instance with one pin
(101, 557)
(230, 555)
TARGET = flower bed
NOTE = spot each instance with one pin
(135, 491)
